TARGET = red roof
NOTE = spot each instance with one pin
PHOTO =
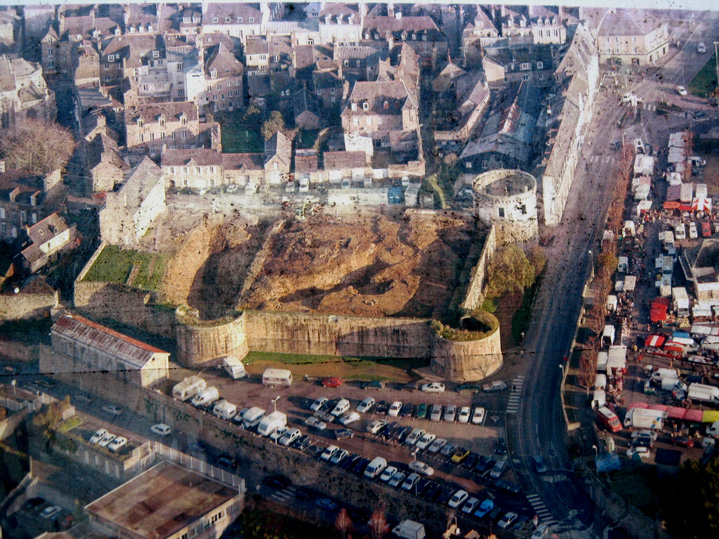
(78, 328)
(655, 341)
(694, 415)
(658, 315)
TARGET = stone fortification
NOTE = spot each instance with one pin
(201, 341)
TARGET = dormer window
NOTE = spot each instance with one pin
(133, 29)
(386, 105)
(162, 121)
(365, 106)
(540, 65)
(117, 31)
(214, 19)
(354, 106)
(414, 37)
(149, 28)
(155, 54)
(239, 19)
(346, 63)
(275, 58)
(140, 123)
(111, 58)
(183, 120)
(213, 74)
(424, 37)
(228, 19)
(252, 19)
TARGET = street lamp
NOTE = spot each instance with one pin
(274, 401)
(596, 450)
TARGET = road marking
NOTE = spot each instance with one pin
(540, 509)
(515, 395)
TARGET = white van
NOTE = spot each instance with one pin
(277, 377)
(234, 367)
(375, 468)
(225, 410)
(205, 397)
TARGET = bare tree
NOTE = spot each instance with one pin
(343, 523)
(378, 526)
(37, 146)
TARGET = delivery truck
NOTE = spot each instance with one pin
(206, 396)
(643, 418)
(188, 388)
(409, 529)
(234, 367)
(375, 468)
(672, 384)
(703, 393)
(608, 335)
(271, 422)
(659, 375)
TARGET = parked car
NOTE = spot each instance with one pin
(402, 433)
(366, 405)
(410, 482)
(507, 520)
(459, 454)
(434, 387)
(328, 452)
(387, 473)
(539, 464)
(332, 381)
(318, 404)
(349, 418)
(341, 434)
(289, 437)
(450, 413)
(494, 386)
(278, 433)
(315, 423)
(50, 511)
(681, 90)
(483, 464)
(395, 409)
(464, 414)
(683, 441)
(478, 415)
(470, 461)
(436, 414)
(470, 505)
(117, 444)
(109, 437)
(414, 436)
(161, 429)
(374, 384)
(642, 452)
(701, 47)
(339, 456)
(410, 386)
(99, 434)
(326, 504)
(112, 409)
(375, 426)
(457, 499)
(421, 467)
(421, 412)
(407, 410)
(644, 434)
(468, 388)
(485, 507)
(425, 441)
(382, 407)
(438, 444)
(389, 430)
(397, 479)
(340, 408)
(302, 443)
(500, 446)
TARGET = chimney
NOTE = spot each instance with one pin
(398, 15)
(530, 11)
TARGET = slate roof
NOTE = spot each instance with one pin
(242, 161)
(223, 61)
(232, 10)
(172, 111)
(628, 22)
(344, 160)
(199, 156)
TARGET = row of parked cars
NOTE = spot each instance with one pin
(103, 438)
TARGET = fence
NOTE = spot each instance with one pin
(192, 463)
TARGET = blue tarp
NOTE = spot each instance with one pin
(608, 462)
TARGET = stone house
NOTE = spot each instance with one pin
(631, 37)
(277, 158)
(479, 32)
(506, 63)
(341, 23)
(123, 56)
(151, 126)
(198, 168)
(360, 62)
(47, 238)
(461, 99)
(21, 201)
(338, 166)
(307, 169)
(243, 169)
(307, 110)
(239, 20)
(328, 87)
(223, 79)
(106, 167)
(257, 53)
(130, 211)
(24, 92)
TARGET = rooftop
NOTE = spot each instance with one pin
(161, 501)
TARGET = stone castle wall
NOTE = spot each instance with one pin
(199, 342)
(463, 361)
(475, 290)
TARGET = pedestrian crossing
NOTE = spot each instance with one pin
(649, 106)
(281, 496)
(515, 395)
(540, 509)
(630, 133)
(605, 158)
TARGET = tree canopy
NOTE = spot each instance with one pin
(37, 146)
(273, 124)
(511, 271)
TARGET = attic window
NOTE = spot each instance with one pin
(155, 54)
(149, 28)
(213, 74)
(228, 19)
(386, 105)
(111, 58)
(424, 37)
(214, 19)
(252, 19)
(140, 122)
(540, 65)
(365, 106)
(239, 19)
(183, 120)
(354, 106)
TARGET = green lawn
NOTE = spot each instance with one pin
(306, 139)
(115, 264)
(239, 136)
(706, 80)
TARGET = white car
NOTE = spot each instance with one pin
(278, 433)
(436, 413)
(414, 437)
(376, 425)
(644, 434)
(397, 479)
(339, 456)
(471, 505)
(99, 434)
(458, 499)
(693, 231)
(681, 90)
(434, 387)
(410, 482)
(507, 520)
(117, 443)
(425, 441)
(395, 409)
(701, 47)
(421, 467)
(51, 511)
(387, 474)
(541, 531)
(366, 405)
(478, 415)
(438, 444)
(643, 452)
(112, 409)
(109, 437)
(464, 413)
(349, 418)
(315, 423)
(626, 98)
(319, 403)
(341, 407)
(450, 413)
(494, 386)
(290, 436)
(328, 452)
(161, 429)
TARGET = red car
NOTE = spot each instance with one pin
(706, 229)
(683, 441)
(334, 381)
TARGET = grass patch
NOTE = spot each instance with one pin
(240, 134)
(287, 359)
(490, 305)
(706, 80)
(431, 186)
(520, 320)
(115, 264)
(70, 424)
(306, 139)
(640, 486)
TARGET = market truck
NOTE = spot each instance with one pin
(409, 529)
(703, 393)
(608, 419)
(643, 418)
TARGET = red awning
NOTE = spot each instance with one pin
(655, 341)
(694, 415)
(660, 407)
(685, 207)
(658, 315)
(675, 412)
(671, 205)
(674, 347)
(638, 405)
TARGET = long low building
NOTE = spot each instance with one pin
(83, 345)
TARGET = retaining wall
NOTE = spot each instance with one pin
(462, 361)
(475, 290)
(199, 342)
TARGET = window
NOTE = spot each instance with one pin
(365, 106)
(606, 40)
(111, 58)
(355, 121)
(616, 51)
(228, 19)
(239, 19)
(183, 120)
(540, 33)
(252, 19)
(152, 136)
(634, 39)
(172, 135)
(468, 165)
(635, 50)
(540, 65)
(525, 77)
(140, 123)
(142, 137)
(501, 212)
(214, 19)
(525, 65)
(616, 39)
(106, 67)
(155, 54)
(354, 106)
(184, 134)
(346, 63)
(179, 66)
(2, 213)
(219, 86)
